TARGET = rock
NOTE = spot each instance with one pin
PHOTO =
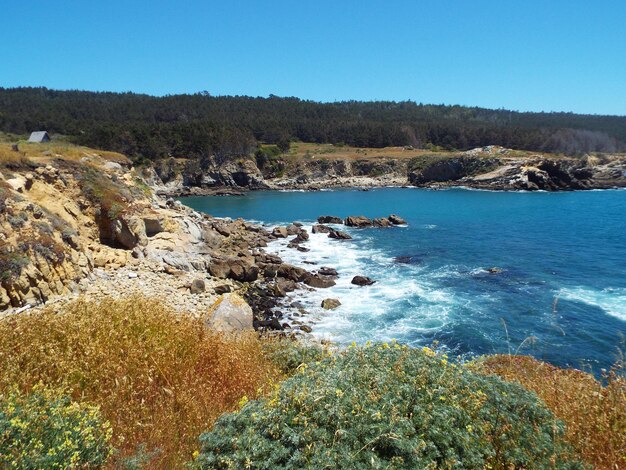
(113, 166)
(280, 232)
(326, 271)
(339, 235)
(230, 314)
(362, 281)
(302, 237)
(381, 222)
(197, 286)
(222, 289)
(293, 229)
(494, 270)
(242, 271)
(302, 249)
(152, 226)
(18, 183)
(294, 273)
(318, 281)
(396, 220)
(319, 228)
(329, 219)
(306, 328)
(220, 269)
(330, 304)
(272, 324)
(357, 221)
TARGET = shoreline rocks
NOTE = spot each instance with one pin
(362, 281)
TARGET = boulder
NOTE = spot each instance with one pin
(330, 304)
(319, 228)
(240, 270)
(197, 286)
(293, 229)
(362, 281)
(280, 232)
(381, 222)
(357, 221)
(153, 225)
(396, 220)
(317, 281)
(230, 314)
(294, 273)
(219, 269)
(18, 183)
(339, 235)
(301, 237)
(306, 328)
(326, 271)
(112, 166)
(329, 219)
(222, 289)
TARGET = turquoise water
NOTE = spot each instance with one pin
(561, 295)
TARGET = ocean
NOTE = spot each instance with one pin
(560, 295)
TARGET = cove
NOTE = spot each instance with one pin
(561, 294)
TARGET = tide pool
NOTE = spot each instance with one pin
(561, 295)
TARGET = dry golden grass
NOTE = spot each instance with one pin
(330, 151)
(595, 415)
(11, 159)
(160, 378)
(46, 152)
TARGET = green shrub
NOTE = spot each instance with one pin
(11, 264)
(388, 406)
(45, 429)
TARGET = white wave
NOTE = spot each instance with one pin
(401, 302)
(612, 301)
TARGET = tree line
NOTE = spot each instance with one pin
(199, 125)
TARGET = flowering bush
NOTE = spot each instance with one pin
(45, 429)
(388, 406)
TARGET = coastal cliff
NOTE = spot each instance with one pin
(493, 168)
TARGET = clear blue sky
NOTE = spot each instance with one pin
(550, 55)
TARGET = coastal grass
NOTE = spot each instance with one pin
(160, 378)
(42, 153)
(594, 413)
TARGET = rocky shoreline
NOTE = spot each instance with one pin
(58, 246)
(102, 229)
(492, 168)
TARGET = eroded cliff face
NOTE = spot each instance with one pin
(61, 220)
(490, 167)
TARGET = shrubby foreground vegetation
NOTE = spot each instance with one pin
(130, 384)
(383, 406)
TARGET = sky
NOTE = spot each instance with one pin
(548, 55)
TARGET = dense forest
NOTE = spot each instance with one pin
(200, 125)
